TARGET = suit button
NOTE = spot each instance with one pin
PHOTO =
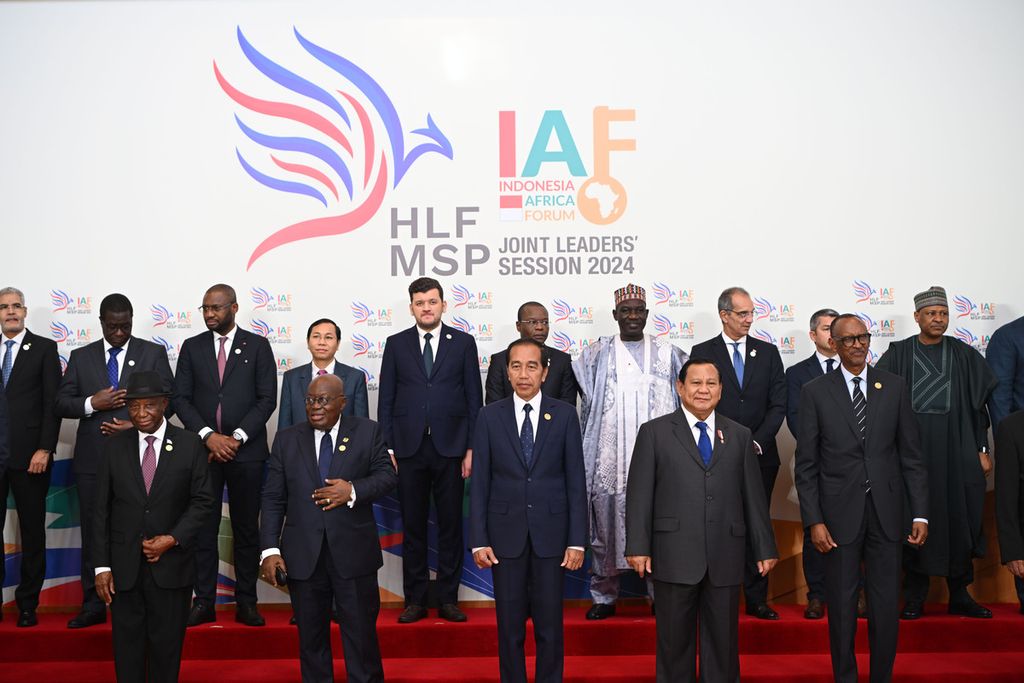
(220, 395)
(529, 505)
(711, 497)
(707, 474)
(529, 480)
(429, 385)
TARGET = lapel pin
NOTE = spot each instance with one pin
(238, 351)
(721, 437)
(753, 352)
(131, 363)
(878, 385)
(246, 360)
(169, 447)
(345, 439)
(26, 347)
(341, 448)
(447, 336)
(547, 416)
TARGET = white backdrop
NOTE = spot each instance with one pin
(819, 154)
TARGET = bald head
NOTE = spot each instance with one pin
(325, 399)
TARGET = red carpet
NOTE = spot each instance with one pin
(937, 649)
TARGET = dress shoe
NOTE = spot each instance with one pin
(912, 610)
(27, 617)
(87, 618)
(762, 611)
(815, 609)
(249, 615)
(411, 614)
(969, 608)
(201, 614)
(451, 612)
(862, 605)
(600, 611)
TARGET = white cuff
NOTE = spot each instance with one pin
(268, 553)
(89, 410)
(920, 519)
(240, 435)
(100, 570)
(576, 547)
(352, 498)
(204, 431)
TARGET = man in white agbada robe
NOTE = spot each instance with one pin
(626, 380)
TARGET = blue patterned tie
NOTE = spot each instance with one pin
(737, 362)
(526, 435)
(704, 443)
(112, 367)
(326, 453)
(8, 361)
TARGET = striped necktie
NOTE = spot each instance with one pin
(860, 408)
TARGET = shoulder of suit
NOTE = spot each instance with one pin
(554, 353)
(763, 346)
(40, 340)
(804, 364)
(497, 406)
(355, 423)
(294, 372)
(180, 435)
(145, 344)
(722, 422)
(704, 346)
(348, 370)
(452, 333)
(883, 375)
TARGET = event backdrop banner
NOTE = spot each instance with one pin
(320, 156)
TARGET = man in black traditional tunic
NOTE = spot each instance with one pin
(950, 385)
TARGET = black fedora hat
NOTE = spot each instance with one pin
(145, 384)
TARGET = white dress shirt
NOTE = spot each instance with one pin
(230, 334)
(435, 338)
(823, 361)
(329, 370)
(692, 420)
(18, 339)
(742, 341)
(89, 410)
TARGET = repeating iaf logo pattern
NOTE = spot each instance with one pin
(974, 341)
(665, 327)
(566, 312)
(361, 346)
(262, 299)
(663, 294)
(462, 324)
(63, 363)
(766, 310)
(171, 349)
(62, 334)
(865, 293)
(883, 328)
(362, 314)
(462, 296)
(63, 302)
(284, 365)
(333, 158)
(964, 307)
(282, 334)
(163, 317)
(371, 379)
(785, 344)
(571, 345)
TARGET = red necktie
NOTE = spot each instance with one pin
(149, 463)
(222, 362)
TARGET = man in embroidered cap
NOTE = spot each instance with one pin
(950, 384)
(626, 380)
(152, 496)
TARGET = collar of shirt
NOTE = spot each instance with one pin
(318, 435)
(742, 341)
(520, 415)
(124, 350)
(435, 338)
(822, 358)
(330, 367)
(231, 340)
(692, 420)
(848, 376)
(18, 340)
(159, 434)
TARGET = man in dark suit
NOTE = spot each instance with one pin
(427, 405)
(858, 467)
(528, 511)
(92, 392)
(31, 374)
(695, 502)
(753, 394)
(226, 390)
(1009, 480)
(152, 496)
(533, 323)
(323, 476)
(322, 339)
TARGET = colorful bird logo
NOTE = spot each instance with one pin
(562, 309)
(563, 342)
(966, 336)
(662, 325)
(60, 300)
(260, 327)
(662, 293)
(462, 324)
(360, 311)
(763, 308)
(765, 336)
(461, 295)
(963, 306)
(360, 344)
(60, 332)
(331, 147)
(160, 314)
(260, 297)
(862, 290)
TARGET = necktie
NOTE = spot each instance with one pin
(704, 443)
(737, 362)
(321, 372)
(428, 353)
(860, 407)
(222, 362)
(829, 364)
(8, 360)
(112, 367)
(326, 452)
(149, 462)
(526, 435)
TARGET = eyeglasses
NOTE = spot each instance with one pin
(13, 307)
(848, 342)
(743, 315)
(216, 308)
(536, 322)
(321, 401)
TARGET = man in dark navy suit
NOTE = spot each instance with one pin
(225, 391)
(92, 392)
(323, 476)
(532, 322)
(429, 398)
(528, 511)
(753, 394)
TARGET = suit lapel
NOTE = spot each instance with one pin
(132, 461)
(165, 453)
(99, 359)
(718, 445)
(341, 444)
(723, 359)
(309, 451)
(441, 349)
(236, 352)
(841, 395)
(131, 359)
(208, 341)
(21, 360)
(508, 418)
(413, 341)
(543, 423)
(684, 435)
(873, 396)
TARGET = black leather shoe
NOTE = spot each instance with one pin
(599, 611)
(912, 610)
(412, 614)
(451, 612)
(201, 614)
(815, 609)
(969, 608)
(762, 611)
(249, 615)
(87, 618)
(27, 617)
(862, 605)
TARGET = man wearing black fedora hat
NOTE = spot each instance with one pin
(152, 495)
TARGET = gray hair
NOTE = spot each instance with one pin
(13, 290)
(725, 298)
(823, 313)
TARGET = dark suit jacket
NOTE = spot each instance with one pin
(796, 377)
(296, 382)
(31, 392)
(447, 401)
(1005, 355)
(292, 476)
(509, 500)
(5, 429)
(560, 382)
(248, 396)
(178, 502)
(760, 405)
(833, 462)
(87, 374)
(1009, 479)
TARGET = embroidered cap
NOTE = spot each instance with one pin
(933, 296)
(630, 292)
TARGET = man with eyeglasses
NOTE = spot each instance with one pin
(858, 467)
(31, 375)
(950, 387)
(225, 391)
(753, 394)
(92, 391)
(323, 476)
(626, 380)
(533, 323)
